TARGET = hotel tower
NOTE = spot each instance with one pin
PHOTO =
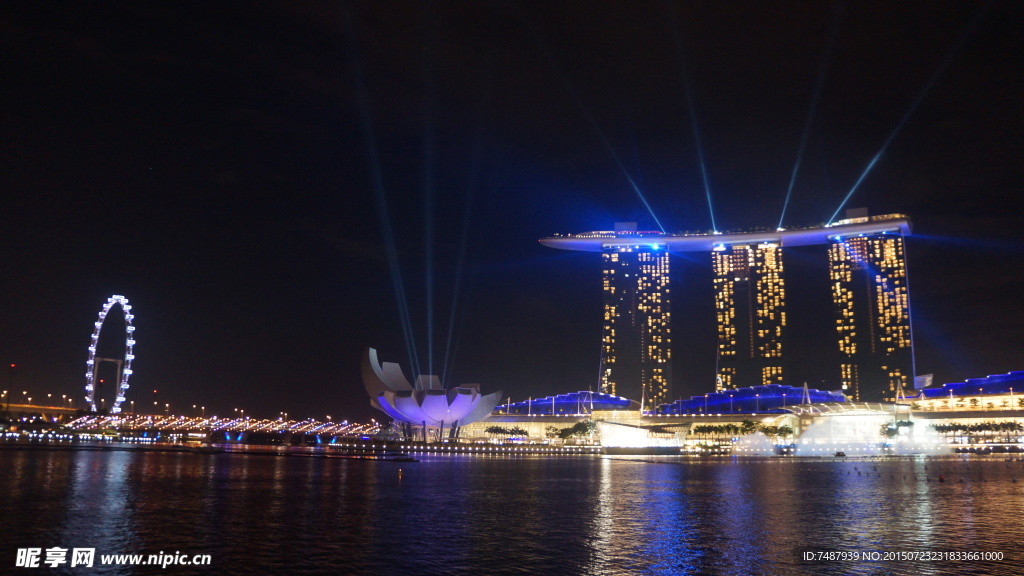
(872, 305)
(867, 269)
(750, 297)
(636, 351)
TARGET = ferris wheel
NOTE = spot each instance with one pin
(124, 366)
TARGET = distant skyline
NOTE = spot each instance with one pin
(237, 172)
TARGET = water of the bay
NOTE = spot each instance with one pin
(489, 515)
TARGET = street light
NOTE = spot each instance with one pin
(10, 386)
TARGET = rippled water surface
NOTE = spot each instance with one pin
(261, 514)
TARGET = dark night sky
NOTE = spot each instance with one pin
(212, 164)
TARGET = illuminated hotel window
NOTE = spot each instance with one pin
(868, 292)
(636, 363)
(750, 299)
(867, 284)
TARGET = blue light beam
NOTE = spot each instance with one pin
(953, 51)
(812, 111)
(692, 107)
(380, 191)
(471, 185)
(428, 180)
(571, 89)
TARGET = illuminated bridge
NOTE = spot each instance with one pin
(212, 425)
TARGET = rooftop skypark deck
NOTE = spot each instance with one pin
(706, 242)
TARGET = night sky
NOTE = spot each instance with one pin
(225, 165)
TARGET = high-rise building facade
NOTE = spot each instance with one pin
(636, 354)
(867, 268)
(750, 298)
(872, 305)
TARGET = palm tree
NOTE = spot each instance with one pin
(497, 430)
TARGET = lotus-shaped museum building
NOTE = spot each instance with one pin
(425, 405)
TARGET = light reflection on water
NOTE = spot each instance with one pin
(525, 515)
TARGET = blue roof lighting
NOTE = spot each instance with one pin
(770, 399)
(583, 402)
(995, 384)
